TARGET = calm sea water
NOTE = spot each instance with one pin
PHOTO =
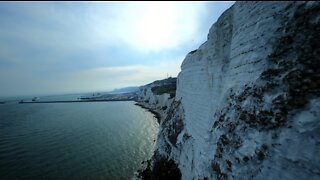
(105, 140)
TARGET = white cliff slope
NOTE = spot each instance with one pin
(247, 101)
(157, 96)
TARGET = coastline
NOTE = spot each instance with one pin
(145, 169)
(156, 114)
(158, 166)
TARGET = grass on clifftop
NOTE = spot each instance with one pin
(170, 89)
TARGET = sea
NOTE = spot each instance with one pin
(89, 140)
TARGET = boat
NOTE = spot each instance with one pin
(35, 99)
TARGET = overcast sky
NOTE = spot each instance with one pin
(66, 47)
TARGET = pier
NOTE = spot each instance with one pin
(74, 101)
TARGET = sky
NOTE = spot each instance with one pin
(74, 47)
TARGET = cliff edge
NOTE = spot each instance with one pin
(247, 100)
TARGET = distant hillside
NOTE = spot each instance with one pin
(124, 90)
(162, 82)
(160, 87)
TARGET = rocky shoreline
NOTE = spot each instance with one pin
(156, 114)
(159, 166)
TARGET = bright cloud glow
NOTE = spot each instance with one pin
(158, 25)
(150, 26)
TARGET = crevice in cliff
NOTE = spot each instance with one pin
(173, 123)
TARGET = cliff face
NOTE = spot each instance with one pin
(247, 101)
(157, 96)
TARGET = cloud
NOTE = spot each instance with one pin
(48, 47)
(46, 31)
(27, 82)
(144, 26)
(148, 26)
(108, 78)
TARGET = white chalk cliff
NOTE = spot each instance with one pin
(247, 103)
